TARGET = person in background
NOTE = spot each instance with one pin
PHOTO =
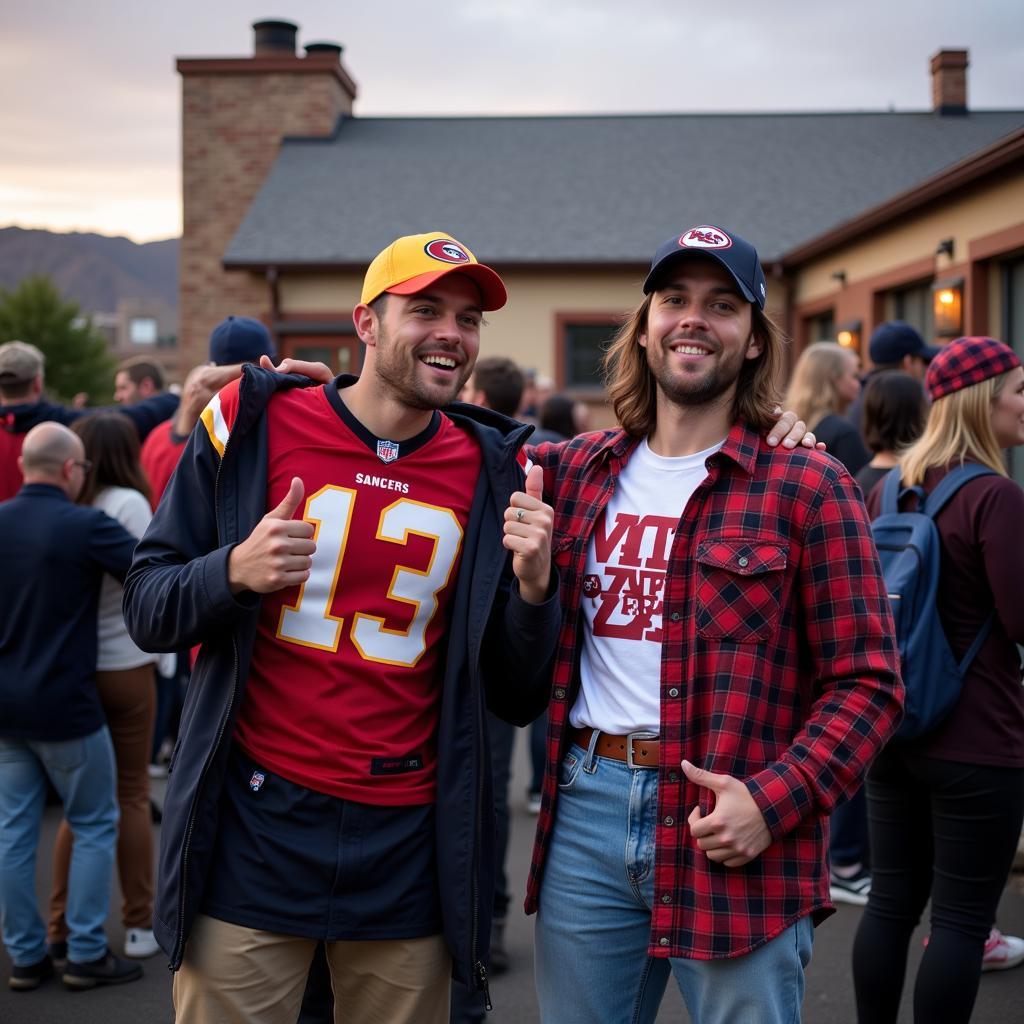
(54, 555)
(116, 485)
(895, 411)
(825, 381)
(137, 379)
(23, 406)
(946, 808)
(495, 383)
(234, 341)
(894, 345)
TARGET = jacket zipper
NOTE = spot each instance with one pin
(179, 946)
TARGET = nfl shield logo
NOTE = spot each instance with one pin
(256, 781)
(387, 451)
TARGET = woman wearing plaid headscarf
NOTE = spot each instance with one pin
(945, 809)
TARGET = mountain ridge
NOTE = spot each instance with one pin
(95, 271)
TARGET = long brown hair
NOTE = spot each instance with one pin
(112, 446)
(633, 390)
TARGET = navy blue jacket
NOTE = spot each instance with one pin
(20, 418)
(177, 595)
(54, 554)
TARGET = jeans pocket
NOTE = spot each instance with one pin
(66, 755)
(568, 771)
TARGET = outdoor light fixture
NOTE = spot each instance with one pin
(848, 335)
(948, 307)
(945, 248)
(840, 276)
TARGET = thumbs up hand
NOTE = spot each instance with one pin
(528, 522)
(277, 554)
(734, 833)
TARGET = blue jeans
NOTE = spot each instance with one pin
(594, 922)
(83, 773)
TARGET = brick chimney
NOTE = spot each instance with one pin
(949, 82)
(234, 113)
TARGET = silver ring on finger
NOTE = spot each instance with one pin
(519, 515)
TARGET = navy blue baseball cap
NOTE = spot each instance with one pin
(736, 254)
(894, 339)
(240, 339)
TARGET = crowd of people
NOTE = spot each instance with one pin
(341, 596)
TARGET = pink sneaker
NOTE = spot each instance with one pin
(1002, 951)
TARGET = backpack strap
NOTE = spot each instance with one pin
(986, 628)
(891, 492)
(950, 484)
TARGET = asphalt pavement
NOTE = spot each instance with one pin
(829, 996)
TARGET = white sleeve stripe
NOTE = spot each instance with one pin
(216, 426)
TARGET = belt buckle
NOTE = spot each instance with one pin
(630, 737)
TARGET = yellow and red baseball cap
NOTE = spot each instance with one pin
(413, 262)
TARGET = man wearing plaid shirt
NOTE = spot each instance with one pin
(726, 671)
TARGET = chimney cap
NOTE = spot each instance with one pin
(334, 49)
(274, 35)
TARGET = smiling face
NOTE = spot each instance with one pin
(699, 333)
(422, 347)
(1008, 410)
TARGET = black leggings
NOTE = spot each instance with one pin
(944, 830)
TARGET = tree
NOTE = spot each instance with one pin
(77, 358)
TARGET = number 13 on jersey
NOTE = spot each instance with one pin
(309, 621)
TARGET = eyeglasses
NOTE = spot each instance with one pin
(83, 464)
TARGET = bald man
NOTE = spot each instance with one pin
(54, 555)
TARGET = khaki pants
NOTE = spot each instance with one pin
(237, 975)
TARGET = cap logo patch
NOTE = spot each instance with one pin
(705, 237)
(447, 251)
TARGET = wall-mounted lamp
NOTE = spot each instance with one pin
(948, 307)
(840, 276)
(945, 248)
(848, 335)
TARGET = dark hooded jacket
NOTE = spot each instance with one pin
(499, 652)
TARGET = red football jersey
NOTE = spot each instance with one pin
(345, 678)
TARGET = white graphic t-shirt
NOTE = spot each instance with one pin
(623, 591)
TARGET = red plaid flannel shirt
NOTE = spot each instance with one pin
(778, 667)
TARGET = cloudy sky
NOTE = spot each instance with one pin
(89, 118)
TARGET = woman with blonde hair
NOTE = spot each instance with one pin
(945, 809)
(825, 381)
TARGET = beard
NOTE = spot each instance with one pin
(692, 389)
(398, 370)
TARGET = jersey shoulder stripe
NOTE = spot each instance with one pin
(219, 416)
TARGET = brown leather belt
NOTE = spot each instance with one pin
(638, 750)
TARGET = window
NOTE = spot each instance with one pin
(142, 330)
(913, 304)
(821, 327)
(583, 343)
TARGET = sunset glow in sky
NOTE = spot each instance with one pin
(89, 123)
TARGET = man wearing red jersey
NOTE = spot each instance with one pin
(337, 552)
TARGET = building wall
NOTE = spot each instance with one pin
(233, 121)
(904, 252)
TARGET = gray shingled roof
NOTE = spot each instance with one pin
(600, 189)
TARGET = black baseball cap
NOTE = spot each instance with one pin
(736, 254)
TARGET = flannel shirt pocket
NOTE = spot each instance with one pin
(739, 588)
